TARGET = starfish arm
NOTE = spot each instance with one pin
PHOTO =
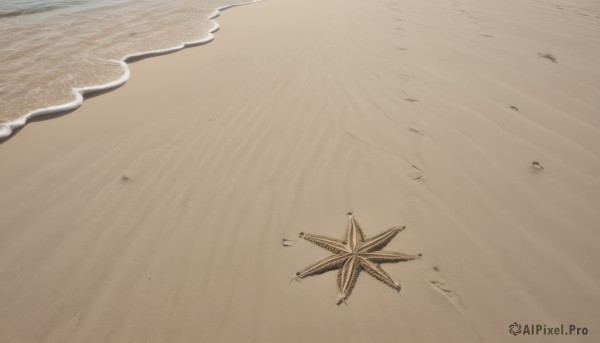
(354, 233)
(383, 256)
(381, 240)
(378, 273)
(336, 246)
(347, 277)
(325, 265)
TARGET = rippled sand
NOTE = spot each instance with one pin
(156, 212)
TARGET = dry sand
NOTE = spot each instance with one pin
(155, 213)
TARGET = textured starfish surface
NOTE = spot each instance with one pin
(354, 254)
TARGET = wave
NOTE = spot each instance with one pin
(27, 11)
(6, 129)
(38, 9)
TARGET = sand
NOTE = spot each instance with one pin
(156, 212)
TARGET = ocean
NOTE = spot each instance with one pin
(53, 51)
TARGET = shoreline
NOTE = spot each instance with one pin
(7, 129)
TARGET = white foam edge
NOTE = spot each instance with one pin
(6, 129)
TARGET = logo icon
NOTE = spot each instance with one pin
(514, 328)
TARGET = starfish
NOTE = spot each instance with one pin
(354, 254)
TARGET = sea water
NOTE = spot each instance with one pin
(53, 51)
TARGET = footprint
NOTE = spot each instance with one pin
(416, 173)
(439, 285)
(416, 129)
(442, 287)
(287, 242)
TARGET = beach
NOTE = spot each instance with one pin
(156, 212)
